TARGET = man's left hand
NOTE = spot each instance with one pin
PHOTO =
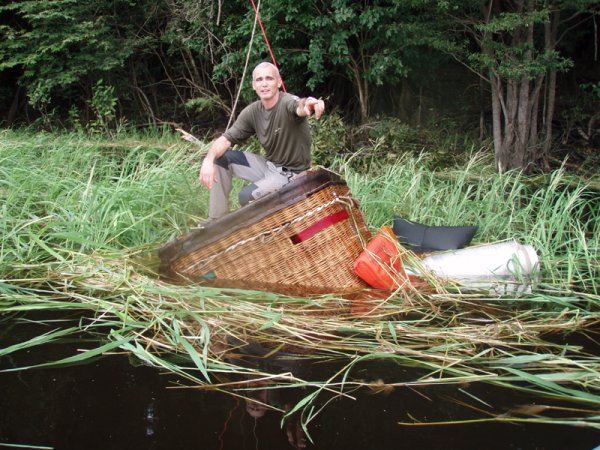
(314, 106)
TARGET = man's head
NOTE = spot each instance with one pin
(266, 82)
(256, 403)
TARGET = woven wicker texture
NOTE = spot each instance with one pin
(266, 252)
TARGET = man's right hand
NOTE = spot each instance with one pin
(208, 174)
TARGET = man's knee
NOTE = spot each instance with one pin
(232, 157)
(246, 195)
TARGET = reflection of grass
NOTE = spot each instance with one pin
(81, 221)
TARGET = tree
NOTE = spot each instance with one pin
(371, 43)
(189, 46)
(155, 58)
(517, 54)
(56, 44)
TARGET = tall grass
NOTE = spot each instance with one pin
(66, 194)
(80, 217)
(556, 214)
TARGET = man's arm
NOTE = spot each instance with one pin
(308, 106)
(208, 173)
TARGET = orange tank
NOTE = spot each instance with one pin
(380, 264)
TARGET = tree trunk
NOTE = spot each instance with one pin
(514, 106)
(363, 91)
(550, 33)
(518, 142)
(497, 122)
(14, 107)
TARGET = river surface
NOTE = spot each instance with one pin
(113, 403)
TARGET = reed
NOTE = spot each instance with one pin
(557, 213)
(85, 239)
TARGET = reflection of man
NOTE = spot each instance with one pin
(279, 121)
(256, 406)
(256, 403)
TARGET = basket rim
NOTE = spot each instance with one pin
(297, 190)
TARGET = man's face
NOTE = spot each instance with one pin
(266, 83)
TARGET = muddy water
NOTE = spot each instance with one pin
(111, 403)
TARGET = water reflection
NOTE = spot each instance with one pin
(264, 394)
(258, 402)
(112, 403)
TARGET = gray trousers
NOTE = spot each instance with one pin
(265, 177)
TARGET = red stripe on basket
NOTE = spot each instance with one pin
(320, 225)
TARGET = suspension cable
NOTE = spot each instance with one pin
(237, 97)
(264, 33)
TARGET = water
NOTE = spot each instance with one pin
(111, 403)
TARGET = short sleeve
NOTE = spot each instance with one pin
(242, 128)
(292, 105)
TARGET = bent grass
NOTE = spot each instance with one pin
(81, 223)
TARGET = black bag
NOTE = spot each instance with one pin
(424, 238)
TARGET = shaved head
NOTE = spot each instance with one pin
(267, 65)
(266, 82)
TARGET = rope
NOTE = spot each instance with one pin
(264, 33)
(237, 97)
(348, 202)
(191, 138)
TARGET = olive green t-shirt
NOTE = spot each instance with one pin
(284, 136)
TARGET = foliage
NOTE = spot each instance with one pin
(581, 120)
(58, 43)
(330, 138)
(384, 140)
(150, 53)
(63, 46)
(515, 48)
(368, 43)
(103, 104)
(180, 61)
(99, 196)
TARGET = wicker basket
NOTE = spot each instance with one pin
(307, 234)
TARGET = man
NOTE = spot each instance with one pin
(279, 120)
